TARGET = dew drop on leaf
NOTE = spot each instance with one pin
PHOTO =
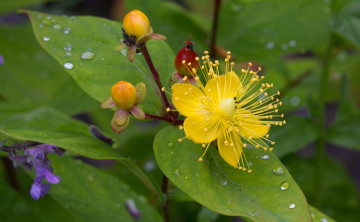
(88, 55)
(285, 185)
(313, 214)
(278, 171)
(68, 65)
(292, 206)
(46, 38)
(46, 22)
(57, 26)
(67, 30)
(265, 157)
(253, 213)
(177, 172)
(223, 182)
(170, 144)
(323, 219)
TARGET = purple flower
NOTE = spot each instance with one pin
(36, 157)
(1, 60)
(39, 190)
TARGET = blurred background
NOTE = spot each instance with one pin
(289, 39)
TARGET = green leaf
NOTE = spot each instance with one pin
(317, 215)
(94, 195)
(345, 133)
(206, 215)
(47, 125)
(29, 77)
(347, 27)
(301, 130)
(105, 67)
(226, 190)
(266, 29)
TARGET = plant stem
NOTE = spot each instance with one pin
(164, 188)
(214, 27)
(320, 143)
(156, 77)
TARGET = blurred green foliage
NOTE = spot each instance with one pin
(287, 38)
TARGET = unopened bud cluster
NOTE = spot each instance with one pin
(125, 97)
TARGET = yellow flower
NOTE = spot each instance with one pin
(234, 110)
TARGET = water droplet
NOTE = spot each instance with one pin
(68, 54)
(295, 100)
(313, 214)
(46, 22)
(46, 38)
(177, 172)
(102, 59)
(253, 213)
(250, 163)
(170, 144)
(323, 219)
(90, 177)
(68, 47)
(270, 45)
(67, 30)
(265, 157)
(223, 182)
(88, 55)
(229, 202)
(292, 206)
(57, 26)
(123, 52)
(283, 46)
(279, 171)
(139, 53)
(149, 165)
(41, 26)
(227, 210)
(68, 65)
(292, 43)
(172, 152)
(186, 177)
(285, 185)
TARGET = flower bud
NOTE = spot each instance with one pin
(124, 95)
(185, 60)
(136, 23)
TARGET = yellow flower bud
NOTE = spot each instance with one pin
(136, 23)
(124, 95)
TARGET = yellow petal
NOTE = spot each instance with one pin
(202, 128)
(223, 86)
(186, 99)
(230, 148)
(250, 124)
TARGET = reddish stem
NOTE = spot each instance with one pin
(156, 77)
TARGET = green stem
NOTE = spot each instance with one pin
(320, 143)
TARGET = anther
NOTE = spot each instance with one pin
(271, 149)
(163, 89)
(272, 143)
(183, 62)
(244, 145)
(181, 127)
(179, 140)
(168, 109)
(200, 159)
(249, 171)
(203, 145)
(265, 148)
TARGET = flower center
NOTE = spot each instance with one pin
(227, 107)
